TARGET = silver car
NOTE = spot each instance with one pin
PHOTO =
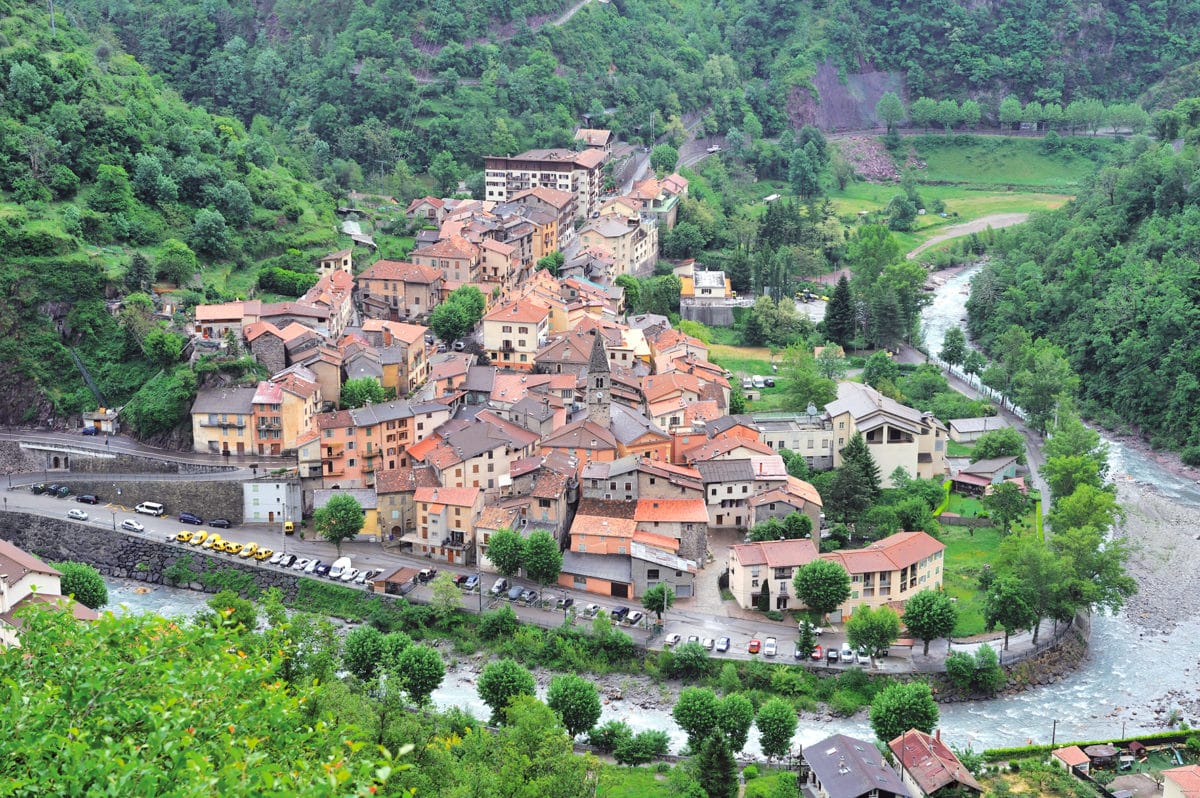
(722, 644)
(770, 647)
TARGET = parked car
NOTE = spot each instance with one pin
(214, 542)
(515, 592)
(248, 551)
(863, 657)
(312, 566)
(349, 574)
(184, 537)
(190, 518)
(87, 498)
(287, 560)
(708, 643)
(564, 603)
(693, 638)
(619, 614)
(755, 646)
(459, 346)
(530, 596)
(52, 489)
(747, 384)
(460, 580)
(634, 618)
(831, 655)
(499, 587)
(132, 526)
(89, 431)
(233, 548)
(797, 651)
(63, 491)
(263, 554)
(770, 647)
(722, 644)
(713, 148)
(198, 538)
(150, 508)
(300, 564)
(38, 489)
(276, 558)
(321, 570)
(847, 655)
(220, 523)
(363, 576)
(426, 575)
(76, 514)
(671, 640)
(769, 382)
(817, 653)
(472, 583)
(591, 610)
(758, 381)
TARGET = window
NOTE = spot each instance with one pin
(523, 329)
(351, 463)
(580, 582)
(620, 549)
(350, 446)
(582, 546)
(543, 502)
(754, 583)
(506, 328)
(652, 573)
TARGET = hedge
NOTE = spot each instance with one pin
(941, 508)
(1001, 754)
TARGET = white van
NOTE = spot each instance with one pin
(151, 508)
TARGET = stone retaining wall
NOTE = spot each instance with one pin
(129, 556)
(205, 498)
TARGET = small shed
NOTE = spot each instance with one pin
(1072, 757)
(1103, 755)
(1137, 749)
(398, 583)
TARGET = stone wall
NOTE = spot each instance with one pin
(129, 556)
(31, 461)
(206, 498)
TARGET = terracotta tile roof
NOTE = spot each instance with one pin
(338, 419)
(664, 542)
(268, 393)
(550, 196)
(452, 247)
(307, 437)
(890, 554)
(775, 553)
(1187, 778)
(458, 497)
(581, 434)
(930, 762)
(549, 485)
(659, 386)
(718, 447)
(498, 246)
(519, 311)
(405, 480)
(1073, 755)
(683, 511)
(702, 411)
(420, 451)
(254, 331)
(401, 271)
(589, 159)
(603, 526)
(593, 137)
(228, 311)
(494, 517)
(426, 200)
(15, 563)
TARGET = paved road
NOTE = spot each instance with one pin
(119, 444)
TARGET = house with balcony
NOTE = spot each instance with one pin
(342, 260)
(222, 420)
(768, 567)
(514, 332)
(478, 453)
(552, 212)
(651, 565)
(577, 173)
(26, 580)
(283, 410)
(334, 293)
(661, 198)
(445, 529)
(890, 571)
(427, 210)
(403, 353)
(457, 258)
(390, 289)
(793, 496)
(897, 436)
(632, 242)
(395, 491)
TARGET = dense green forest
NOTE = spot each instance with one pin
(113, 185)
(1113, 279)
(1045, 50)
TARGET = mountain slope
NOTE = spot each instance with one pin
(99, 163)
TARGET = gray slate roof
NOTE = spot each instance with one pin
(225, 400)
(849, 768)
(725, 470)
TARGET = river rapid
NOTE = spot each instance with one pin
(1141, 664)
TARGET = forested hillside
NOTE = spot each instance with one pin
(113, 186)
(370, 85)
(1114, 279)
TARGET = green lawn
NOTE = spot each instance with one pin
(746, 361)
(625, 782)
(965, 556)
(966, 506)
(956, 449)
(1006, 161)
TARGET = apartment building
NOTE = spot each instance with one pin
(577, 173)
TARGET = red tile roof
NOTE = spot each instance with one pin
(890, 554)
(458, 497)
(520, 311)
(1187, 778)
(930, 762)
(684, 511)
(452, 247)
(775, 553)
(399, 270)
(604, 527)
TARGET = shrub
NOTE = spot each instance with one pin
(606, 737)
(846, 702)
(750, 772)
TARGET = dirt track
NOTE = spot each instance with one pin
(996, 220)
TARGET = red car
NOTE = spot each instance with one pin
(817, 653)
(755, 646)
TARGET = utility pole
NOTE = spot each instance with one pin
(1053, 732)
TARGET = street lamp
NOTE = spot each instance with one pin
(479, 587)
(114, 515)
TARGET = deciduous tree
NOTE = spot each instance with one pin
(503, 680)
(889, 110)
(84, 583)
(822, 585)
(697, 713)
(776, 723)
(900, 707)
(658, 599)
(361, 391)
(341, 519)
(420, 671)
(506, 550)
(930, 615)
(1004, 442)
(362, 651)
(542, 557)
(873, 629)
(576, 702)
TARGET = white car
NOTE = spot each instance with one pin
(714, 148)
(634, 618)
(671, 640)
(847, 655)
(863, 657)
(301, 564)
(770, 647)
(312, 566)
(276, 558)
(76, 514)
(132, 526)
(708, 643)
(591, 610)
(348, 575)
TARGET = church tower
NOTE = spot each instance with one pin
(599, 384)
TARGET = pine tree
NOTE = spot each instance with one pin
(139, 273)
(839, 313)
(857, 454)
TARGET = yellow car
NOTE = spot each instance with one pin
(198, 538)
(214, 542)
(262, 554)
(184, 537)
(249, 550)
(233, 548)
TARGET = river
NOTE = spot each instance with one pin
(1128, 667)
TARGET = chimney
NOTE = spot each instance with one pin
(937, 734)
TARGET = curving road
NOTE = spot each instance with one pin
(995, 221)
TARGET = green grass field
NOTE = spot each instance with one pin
(966, 554)
(1006, 161)
(956, 449)
(624, 782)
(746, 361)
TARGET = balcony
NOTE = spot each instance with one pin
(506, 346)
(224, 424)
(269, 425)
